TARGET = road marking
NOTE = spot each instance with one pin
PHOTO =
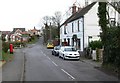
(43, 53)
(68, 74)
(49, 58)
(54, 63)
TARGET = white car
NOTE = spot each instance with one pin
(69, 52)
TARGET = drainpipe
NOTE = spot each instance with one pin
(83, 34)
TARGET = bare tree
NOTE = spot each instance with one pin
(50, 23)
(47, 19)
(58, 17)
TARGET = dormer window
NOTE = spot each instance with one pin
(112, 21)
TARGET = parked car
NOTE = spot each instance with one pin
(50, 45)
(69, 52)
(55, 51)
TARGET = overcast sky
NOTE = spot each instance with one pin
(29, 13)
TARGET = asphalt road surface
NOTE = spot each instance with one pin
(41, 65)
(36, 63)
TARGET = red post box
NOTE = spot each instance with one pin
(11, 48)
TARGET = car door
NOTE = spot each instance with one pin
(60, 52)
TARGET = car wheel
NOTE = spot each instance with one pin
(63, 57)
(55, 54)
(59, 56)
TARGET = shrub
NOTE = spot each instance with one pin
(5, 46)
(95, 44)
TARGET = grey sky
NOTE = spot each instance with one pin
(28, 13)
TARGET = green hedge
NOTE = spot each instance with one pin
(95, 44)
(5, 46)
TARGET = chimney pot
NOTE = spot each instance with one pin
(73, 9)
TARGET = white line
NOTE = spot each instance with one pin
(54, 63)
(67, 73)
(44, 54)
(41, 52)
(48, 58)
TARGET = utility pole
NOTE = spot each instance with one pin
(50, 32)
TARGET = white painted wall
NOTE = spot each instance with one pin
(70, 33)
(113, 13)
(91, 26)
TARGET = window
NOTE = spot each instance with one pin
(68, 42)
(112, 21)
(72, 27)
(78, 26)
(65, 30)
(64, 40)
(79, 44)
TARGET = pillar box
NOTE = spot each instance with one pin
(11, 48)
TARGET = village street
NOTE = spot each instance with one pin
(36, 63)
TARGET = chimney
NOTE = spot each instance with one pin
(34, 27)
(79, 8)
(74, 9)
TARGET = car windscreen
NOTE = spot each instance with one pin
(50, 43)
(69, 49)
(57, 48)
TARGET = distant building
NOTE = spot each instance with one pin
(19, 34)
(34, 32)
(6, 35)
(15, 29)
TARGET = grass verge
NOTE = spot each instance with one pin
(7, 56)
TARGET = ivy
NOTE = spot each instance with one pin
(110, 38)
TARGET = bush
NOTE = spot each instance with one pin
(5, 46)
(95, 44)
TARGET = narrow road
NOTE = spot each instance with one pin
(41, 65)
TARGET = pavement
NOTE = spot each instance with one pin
(15, 65)
(91, 62)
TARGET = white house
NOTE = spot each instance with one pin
(16, 34)
(114, 16)
(82, 27)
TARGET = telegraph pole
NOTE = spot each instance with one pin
(50, 32)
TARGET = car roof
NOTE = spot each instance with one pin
(67, 46)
